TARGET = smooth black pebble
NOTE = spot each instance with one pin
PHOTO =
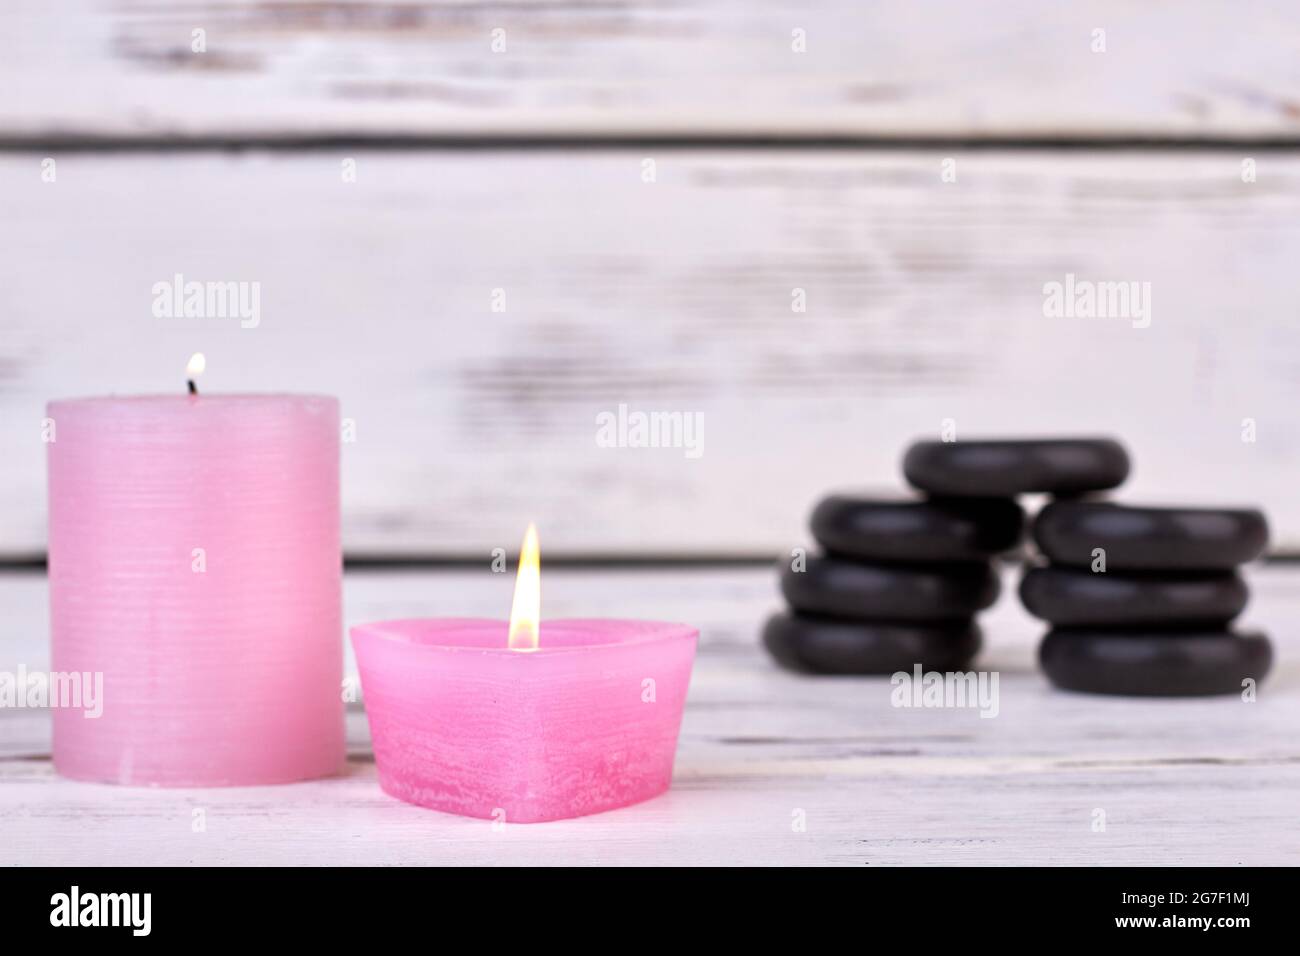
(1150, 539)
(1059, 466)
(930, 530)
(1069, 596)
(849, 589)
(827, 646)
(1154, 664)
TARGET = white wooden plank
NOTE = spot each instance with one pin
(1182, 816)
(924, 302)
(1211, 782)
(939, 67)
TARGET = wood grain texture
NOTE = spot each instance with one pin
(1212, 781)
(608, 68)
(924, 302)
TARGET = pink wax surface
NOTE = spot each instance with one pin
(585, 723)
(221, 666)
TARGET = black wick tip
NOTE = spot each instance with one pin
(194, 389)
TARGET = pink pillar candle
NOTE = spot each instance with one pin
(195, 564)
(586, 722)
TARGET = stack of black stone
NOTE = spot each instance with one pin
(1140, 599)
(901, 580)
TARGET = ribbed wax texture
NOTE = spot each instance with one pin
(195, 562)
(525, 736)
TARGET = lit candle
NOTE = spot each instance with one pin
(524, 721)
(195, 564)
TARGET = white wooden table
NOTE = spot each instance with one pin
(1211, 781)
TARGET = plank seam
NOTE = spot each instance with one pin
(763, 142)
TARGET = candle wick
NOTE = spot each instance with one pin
(194, 389)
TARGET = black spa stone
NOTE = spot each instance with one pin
(917, 530)
(859, 591)
(1150, 539)
(828, 646)
(1070, 596)
(1143, 663)
(1058, 466)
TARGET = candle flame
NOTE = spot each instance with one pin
(196, 365)
(526, 611)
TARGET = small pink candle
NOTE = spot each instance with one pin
(195, 563)
(575, 717)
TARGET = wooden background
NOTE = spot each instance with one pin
(775, 170)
